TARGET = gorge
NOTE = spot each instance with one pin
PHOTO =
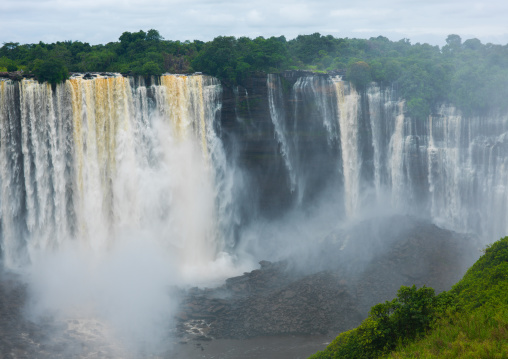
(116, 191)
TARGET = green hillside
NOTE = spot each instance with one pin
(469, 321)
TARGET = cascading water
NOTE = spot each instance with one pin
(101, 158)
(108, 180)
(89, 159)
(382, 107)
(111, 192)
(398, 157)
(304, 117)
(316, 90)
(448, 168)
(278, 115)
(468, 178)
(348, 103)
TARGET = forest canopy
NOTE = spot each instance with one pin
(471, 75)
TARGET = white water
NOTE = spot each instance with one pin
(314, 108)
(92, 160)
(318, 91)
(348, 103)
(448, 168)
(397, 160)
(111, 192)
(95, 150)
(468, 172)
(278, 115)
(118, 193)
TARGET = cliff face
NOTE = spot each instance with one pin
(281, 143)
(299, 134)
(249, 138)
(274, 129)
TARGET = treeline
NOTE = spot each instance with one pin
(469, 74)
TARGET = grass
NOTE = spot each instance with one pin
(480, 334)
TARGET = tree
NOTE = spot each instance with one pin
(453, 44)
(153, 35)
(150, 69)
(52, 70)
(359, 74)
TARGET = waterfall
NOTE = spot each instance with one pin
(348, 104)
(376, 102)
(398, 159)
(314, 132)
(468, 177)
(88, 161)
(383, 110)
(113, 190)
(319, 92)
(278, 116)
(91, 160)
(448, 168)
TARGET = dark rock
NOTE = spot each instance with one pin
(16, 75)
(273, 301)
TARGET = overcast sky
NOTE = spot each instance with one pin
(103, 21)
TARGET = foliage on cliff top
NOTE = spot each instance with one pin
(50, 70)
(469, 74)
(469, 321)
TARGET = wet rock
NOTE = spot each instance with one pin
(275, 300)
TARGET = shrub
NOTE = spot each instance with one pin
(404, 318)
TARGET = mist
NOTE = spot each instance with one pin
(119, 223)
(127, 290)
(134, 195)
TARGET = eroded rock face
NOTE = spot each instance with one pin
(301, 101)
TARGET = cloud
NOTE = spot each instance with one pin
(30, 21)
(254, 17)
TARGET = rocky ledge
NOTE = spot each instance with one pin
(16, 76)
(269, 301)
(274, 300)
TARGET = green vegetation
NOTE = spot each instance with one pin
(471, 75)
(388, 324)
(469, 321)
(359, 73)
(52, 70)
